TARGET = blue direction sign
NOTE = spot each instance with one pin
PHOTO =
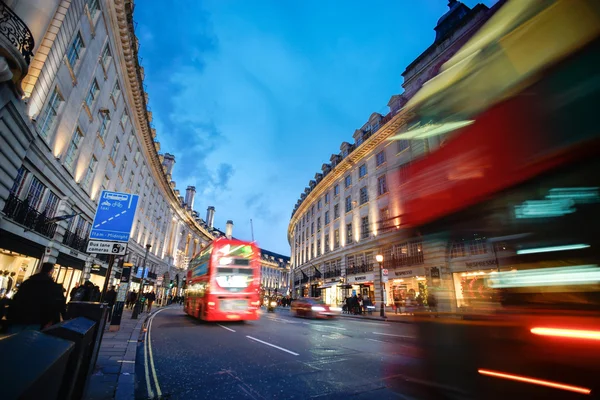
(114, 216)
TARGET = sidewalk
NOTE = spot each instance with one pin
(114, 374)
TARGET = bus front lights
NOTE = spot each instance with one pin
(211, 303)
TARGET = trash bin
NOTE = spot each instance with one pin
(80, 331)
(97, 313)
(33, 365)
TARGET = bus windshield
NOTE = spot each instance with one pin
(233, 279)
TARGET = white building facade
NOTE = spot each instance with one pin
(74, 121)
(346, 215)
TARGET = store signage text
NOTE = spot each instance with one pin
(73, 253)
(478, 264)
(404, 273)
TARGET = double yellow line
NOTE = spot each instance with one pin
(150, 369)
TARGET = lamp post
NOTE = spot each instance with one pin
(379, 259)
(137, 307)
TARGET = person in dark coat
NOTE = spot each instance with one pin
(38, 303)
(110, 297)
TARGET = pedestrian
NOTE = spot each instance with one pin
(150, 297)
(109, 298)
(38, 304)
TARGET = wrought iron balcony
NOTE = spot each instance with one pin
(333, 274)
(16, 43)
(21, 212)
(74, 241)
(359, 269)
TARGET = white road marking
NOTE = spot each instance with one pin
(371, 323)
(126, 361)
(375, 340)
(391, 334)
(224, 327)
(272, 345)
(275, 319)
(325, 326)
(146, 370)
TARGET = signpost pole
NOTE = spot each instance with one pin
(111, 261)
(115, 322)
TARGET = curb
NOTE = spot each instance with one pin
(126, 381)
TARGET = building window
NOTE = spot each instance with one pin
(348, 181)
(364, 195)
(348, 203)
(312, 211)
(105, 182)
(136, 158)
(478, 246)
(327, 198)
(116, 91)
(124, 118)
(403, 145)
(51, 205)
(327, 249)
(36, 191)
(384, 217)
(326, 217)
(19, 182)
(89, 173)
(349, 233)
(364, 227)
(104, 123)
(75, 50)
(336, 239)
(336, 211)
(46, 120)
(93, 6)
(130, 181)
(381, 185)
(92, 94)
(73, 148)
(336, 190)
(318, 247)
(319, 224)
(319, 204)
(115, 149)
(122, 167)
(130, 140)
(380, 158)
(457, 250)
(106, 56)
(362, 170)
(312, 228)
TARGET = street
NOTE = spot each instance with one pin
(278, 356)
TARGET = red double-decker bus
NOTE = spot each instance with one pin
(223, 282)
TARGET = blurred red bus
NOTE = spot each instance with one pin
(223, 282)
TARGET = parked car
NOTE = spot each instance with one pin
(313, 308)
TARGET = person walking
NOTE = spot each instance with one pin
(38, 304)
(109, 298)
(150, 297)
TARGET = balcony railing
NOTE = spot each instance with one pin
(403, 261)
(14, 30)
(359, 269)
(21, 212)
(75, 241)
(332, 274)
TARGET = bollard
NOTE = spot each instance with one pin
(33, 365)
(80, 331)
(97, 313)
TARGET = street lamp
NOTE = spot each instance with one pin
(379, 259)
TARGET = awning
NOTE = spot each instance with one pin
(327, 285)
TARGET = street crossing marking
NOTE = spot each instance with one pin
(272, 345)
(224, 327)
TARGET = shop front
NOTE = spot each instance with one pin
(68, 271)
(14, 269)
(331, 292)
(362, 284)
(98, 275)
(470, 280)
(406, 284)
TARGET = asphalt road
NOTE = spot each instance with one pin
(277, 357)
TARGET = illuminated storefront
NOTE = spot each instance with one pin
(363, 284)
(406, 283)
(14, 269)
(331, 292)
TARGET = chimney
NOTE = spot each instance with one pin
(228, 229)
(190, 194)
(181, 200)
(210, 216)
(169, 162)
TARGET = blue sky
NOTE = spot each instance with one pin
(254, 96)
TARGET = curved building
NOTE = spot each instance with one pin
(74, 121)
(346, 216)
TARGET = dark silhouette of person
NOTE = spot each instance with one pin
(110, 297)
(150, 298)
(38, 303)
